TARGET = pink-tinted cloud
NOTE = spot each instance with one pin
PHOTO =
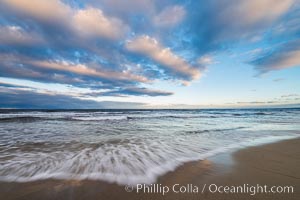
(82, 69)
(170, 16)
(92, 22)
(87, 22)
(151, 48)
(15, 35)
(46, 10)
(35, 67)
(286, 56)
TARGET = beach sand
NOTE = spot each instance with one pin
(275, 164)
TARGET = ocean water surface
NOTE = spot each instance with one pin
(128, 146)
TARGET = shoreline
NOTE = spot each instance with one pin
(166, 168)
(266, 164)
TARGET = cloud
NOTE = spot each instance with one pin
(172, 63)
(285, 56)
(205, 61)
(25, 67)
(278, 79)
(4, 85)
(76, 92)
(125, 46)
(92, 22)
(81, 46)
(94, 33)
(15, 35)
(125, 7)
(82, 69)
(87, 22)
(170, 16)
(133, 91)
(253, 13)
(287, 103)
(14, 98)
(289, 95)
(50, 11)
(290, 24)
(218, 24)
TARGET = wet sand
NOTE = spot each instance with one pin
(274, 164)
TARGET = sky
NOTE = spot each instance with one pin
(149, 53)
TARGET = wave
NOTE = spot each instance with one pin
(164, 116)
(24, 119)
(20, 119)
(116, 166)
(100, 118)
(77, 117)
(214, 130)
(174, 116)
(250, 114)
(121, 115)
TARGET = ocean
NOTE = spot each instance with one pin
(128, 146)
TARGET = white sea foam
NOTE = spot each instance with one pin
(127, 147)
(99, 118)
(113, 164)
